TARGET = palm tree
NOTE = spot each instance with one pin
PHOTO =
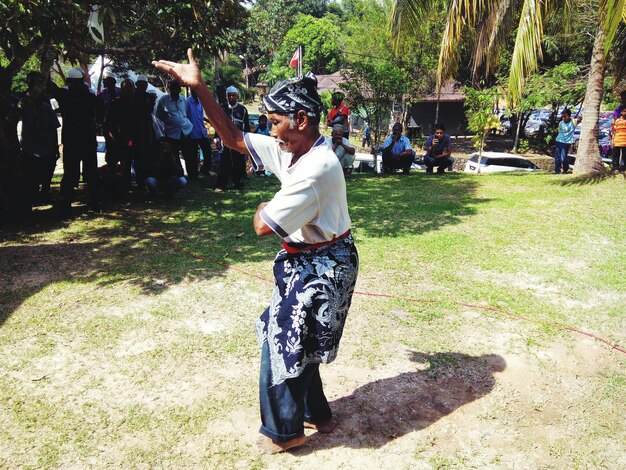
(492, 20)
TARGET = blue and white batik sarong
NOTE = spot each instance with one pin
(310, 301)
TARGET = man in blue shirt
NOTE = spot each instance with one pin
(263, 127)
(172, 110)
(198, 137)
(367, 135)
(397, 151)
(438, 151)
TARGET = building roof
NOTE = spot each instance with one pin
(450, 92)
(330, 82)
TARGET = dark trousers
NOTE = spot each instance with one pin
(75, 152)
(190, 154)
(441, 163)
(110, 157)
(285, 407)
(619, 155)
(178, 146)
(560, 157)
(232, 165)
(42, 170)
(396, 162)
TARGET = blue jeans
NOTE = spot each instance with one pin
(560, 157)
(171, 185)
(285, 406)
(441, 163)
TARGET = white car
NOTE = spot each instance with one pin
(496, 162)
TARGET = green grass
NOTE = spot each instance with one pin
(119, 351)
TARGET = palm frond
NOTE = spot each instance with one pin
(613, 16)
(568, 14)
(527, 52)
(492, 33)
(462, 15)
(406, 16)
(618, 55)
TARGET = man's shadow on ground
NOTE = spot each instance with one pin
(380, 411)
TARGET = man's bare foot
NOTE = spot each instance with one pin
(268, 446)
(325, 427)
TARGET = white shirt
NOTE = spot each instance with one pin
(311, 206)
(340, 151)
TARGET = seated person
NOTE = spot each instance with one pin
(397, 151)
(342, 147)
(438, 150)
(165, 172)
(114, 180)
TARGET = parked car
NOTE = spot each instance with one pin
(538, 118)
(496, 162)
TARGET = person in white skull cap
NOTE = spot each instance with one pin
(232, 163)
(79, 109)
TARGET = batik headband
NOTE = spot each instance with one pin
(294, 94)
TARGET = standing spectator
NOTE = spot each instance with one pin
(438, 151)
(233, 163)
(342, 147)
(618, 131)
(78, 109)
(397, 151)
(564, 141)
(145, 139)
(40, 143)
(172, 110)
(264, 129)
(367, 135)
(123, 124)
(107, 96)
(339, 113)
(197, 138)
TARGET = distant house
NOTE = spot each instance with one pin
(330, 82)
(451, 111)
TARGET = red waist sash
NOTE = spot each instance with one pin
(304, 246)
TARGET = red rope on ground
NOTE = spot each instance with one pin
(557, 325)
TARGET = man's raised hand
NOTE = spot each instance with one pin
(187, 74)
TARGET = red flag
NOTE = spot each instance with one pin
(295, 59)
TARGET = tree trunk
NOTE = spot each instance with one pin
(517, 132)
(14, 188)
(588, 158)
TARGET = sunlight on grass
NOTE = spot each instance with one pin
(127, 342)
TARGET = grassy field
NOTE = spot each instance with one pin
(126, 340)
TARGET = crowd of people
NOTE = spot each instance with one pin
(145, 138)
